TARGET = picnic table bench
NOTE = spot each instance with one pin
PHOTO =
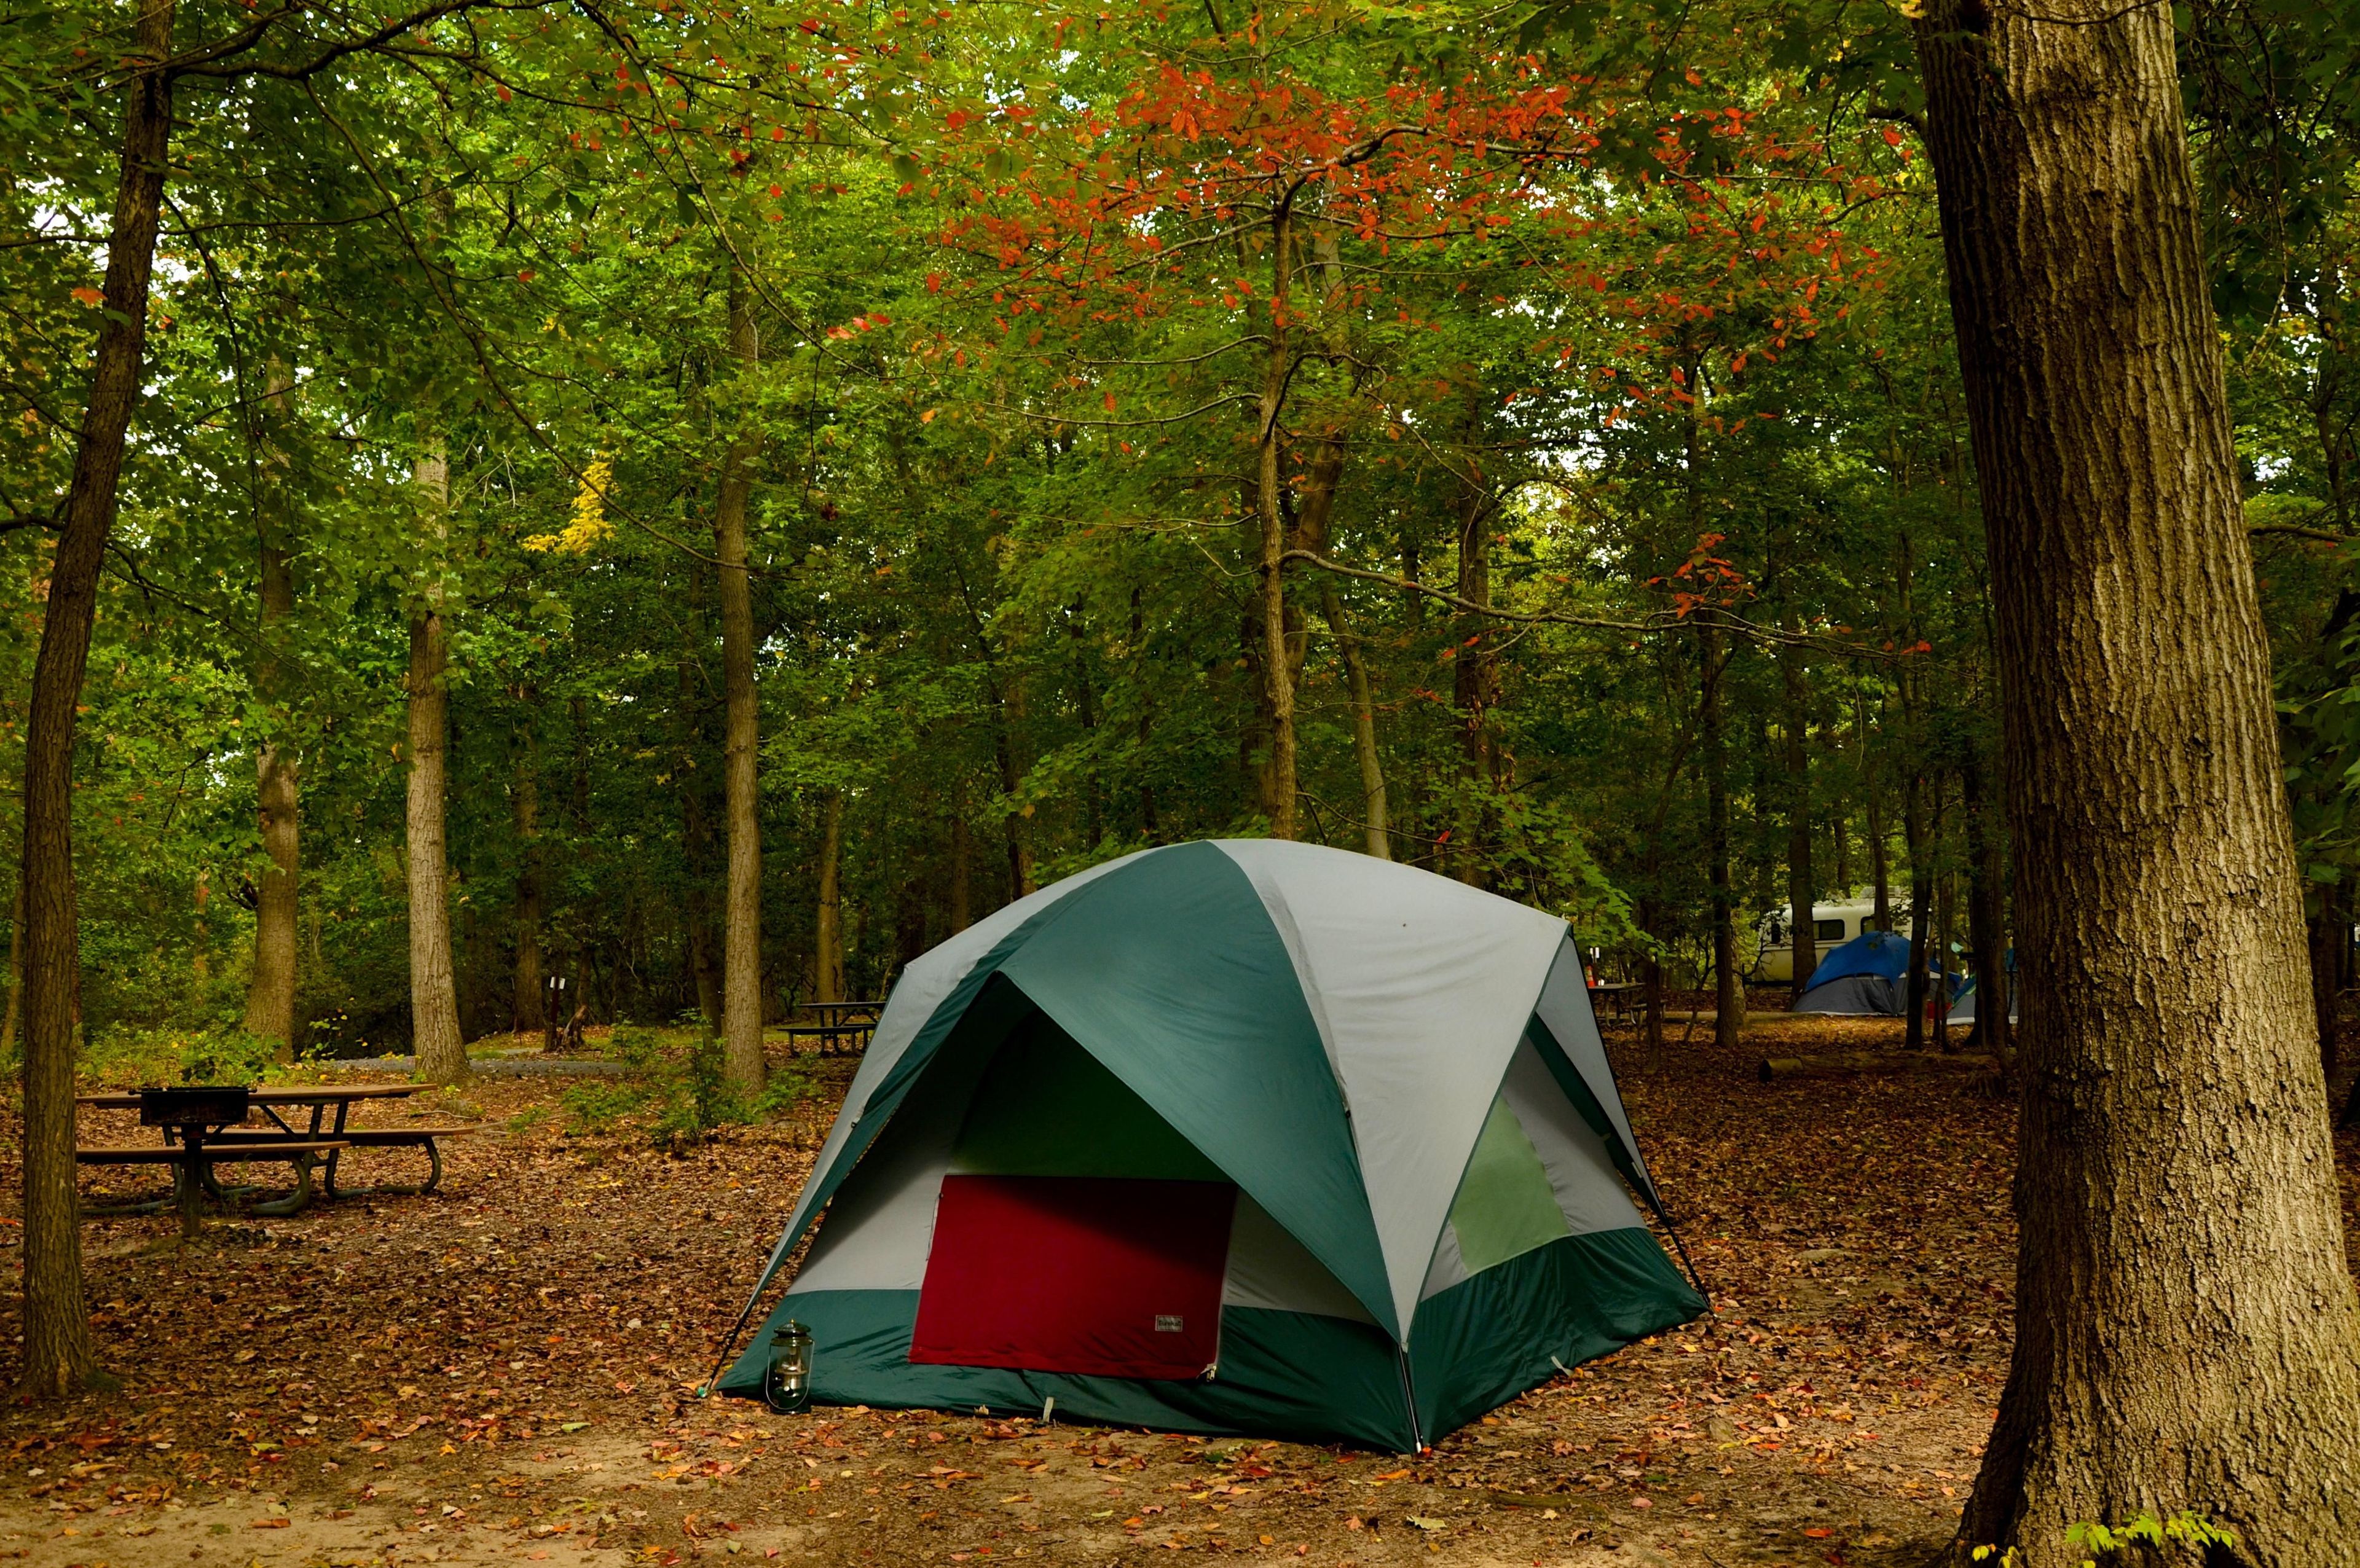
(205, 1126)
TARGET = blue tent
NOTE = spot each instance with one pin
(1963, 1010)
(1868, 975)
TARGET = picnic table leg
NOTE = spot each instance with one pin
(341, 1107)
(294, 1202)
(189, 1175)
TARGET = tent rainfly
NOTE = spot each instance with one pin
(1229, 1137)
(1867, 974)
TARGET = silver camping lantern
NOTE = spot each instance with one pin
(788, 1388)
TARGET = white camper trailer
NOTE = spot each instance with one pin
(1833, 925)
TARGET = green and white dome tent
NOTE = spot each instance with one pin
(1241, 1136)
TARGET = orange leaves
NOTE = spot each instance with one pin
(93, 298)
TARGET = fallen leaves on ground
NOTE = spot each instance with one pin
(506, 1370)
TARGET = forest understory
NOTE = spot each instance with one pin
(503, 1372)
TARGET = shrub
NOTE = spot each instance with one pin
(678, 1090)
(134, 1058)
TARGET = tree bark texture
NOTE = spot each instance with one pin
(2186, 1327)
(741, 959)
(270, 992)
(1801, 891)
(827, 978)
(440, 1050)
(57, 1359)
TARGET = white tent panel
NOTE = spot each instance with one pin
(1268, 1268)
(1422, 986)
(1581, 1174)
(1565, 1009)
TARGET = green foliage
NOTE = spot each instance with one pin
(675, 1091)
(136, 1058)
(2186, 1528)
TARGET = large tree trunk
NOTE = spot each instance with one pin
(1729, 990)
(528, 1002)
(827, 980)
(1376, 835)
(440, 1051)
(271, 993)
(58, 1359)
(741, 962)
(1801, 891)
(2186, 1327)
(1987, 913)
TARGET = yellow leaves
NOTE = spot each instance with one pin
(589, 524)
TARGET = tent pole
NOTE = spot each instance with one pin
(1682, 1249)
(727, 1344)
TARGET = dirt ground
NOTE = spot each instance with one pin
(505, 1373)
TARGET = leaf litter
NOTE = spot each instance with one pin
(505, 1372)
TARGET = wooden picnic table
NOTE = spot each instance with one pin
(838, 1021)
(1616, 994)
(192, 1147)
(837, 1012)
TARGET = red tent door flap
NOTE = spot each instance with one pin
(1100, 1276)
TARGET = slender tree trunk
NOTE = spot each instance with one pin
(741, 964)
(827, 982)
(529, 1000)
(58, 1359)
(440, 1050)
(1880, 865)
(961, 911)
(1277, 682)
(2329, 933)
(1987, 913)
(1475, 672)
(271, 993)
(1729, 992)
(1376, 833)
(696, 831)
(15, 973)
(1801, 891)
(2187, 1334)
(1921, 895)
(1008, 706)
(1086, 713)
(1147, 823)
